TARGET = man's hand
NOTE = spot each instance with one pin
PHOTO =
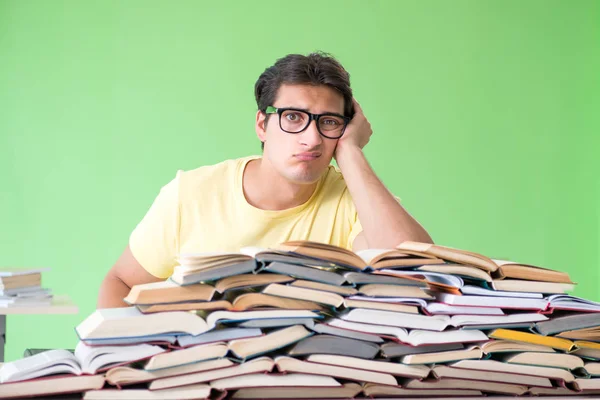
(357, 134)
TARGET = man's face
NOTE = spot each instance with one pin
(302, 157)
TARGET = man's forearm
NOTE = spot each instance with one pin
(385, 222)
(112, 292)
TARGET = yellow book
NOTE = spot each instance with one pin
(548, 341)
(582, 344)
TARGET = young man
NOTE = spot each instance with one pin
(306, 116)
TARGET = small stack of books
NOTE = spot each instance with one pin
(22, 287)
(309, 320)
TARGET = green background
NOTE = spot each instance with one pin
(485, 116)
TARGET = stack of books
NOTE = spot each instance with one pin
(308, 320)
(22, 287)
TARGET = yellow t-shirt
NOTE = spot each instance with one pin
(205, 210)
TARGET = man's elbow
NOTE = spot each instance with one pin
(112, 291)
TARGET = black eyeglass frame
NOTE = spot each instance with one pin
(311, 117)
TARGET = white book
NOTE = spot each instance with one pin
(130, 322)
(491, 301)
(479, 291)
(86, 360)
(566, 302)
(218, 335)
(416, 337)
(434, 322)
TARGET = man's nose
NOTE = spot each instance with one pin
(311, 136)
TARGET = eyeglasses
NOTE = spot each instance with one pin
(292, 120)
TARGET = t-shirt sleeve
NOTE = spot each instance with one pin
(155, 240)
(357, 227)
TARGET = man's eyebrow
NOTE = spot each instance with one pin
(307, 111)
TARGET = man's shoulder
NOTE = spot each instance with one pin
(218, 173)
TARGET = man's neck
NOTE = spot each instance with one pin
(264, 188)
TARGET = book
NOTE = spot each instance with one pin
(374, 391)
(571, 303)
(187, 306)
(448, 254)
(304, 272)
(444, 372)
(288, 365)
(507, 346)
(249, 281)
(442, 356)
(312, 295)
(218, 335)
(346, 391)
(125, 375)
(434, 322)
(55, 385)
(277, 322)
(341, 290)
(188, 355)
(592, 368)
(417, 302)
(336, 256)
(480, 291)
(189, 274)
(334, 331)
(20, 281)
(165, 339)
(548, 341)
(373, 305)
(515, 285)
(394, 258)
(129, 322)
(568, 323)
(299, 381)
(452, 383)
(191, 392)
(492, 301)
(258, 365)
(396, 350)
(382, 290)
(508, 269)
(168, 292)
(591, 333)
(384, 277)
(555, 360)
(457, 269)
(587, 385)
(442, 280)
(248, 348)
(327, 344)
(448, 309)
(251, 301)
(415, 337)
(395, 369)
(85, 360)
(496, 366)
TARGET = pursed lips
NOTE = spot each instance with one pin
(308, 156)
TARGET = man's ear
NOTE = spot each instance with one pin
(261, 126)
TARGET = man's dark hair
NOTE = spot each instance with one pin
(296, 69)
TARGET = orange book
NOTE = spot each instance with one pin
(548, 341)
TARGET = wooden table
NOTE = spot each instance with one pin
(60, 305)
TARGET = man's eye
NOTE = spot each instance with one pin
(293, 116)
(331, 122)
